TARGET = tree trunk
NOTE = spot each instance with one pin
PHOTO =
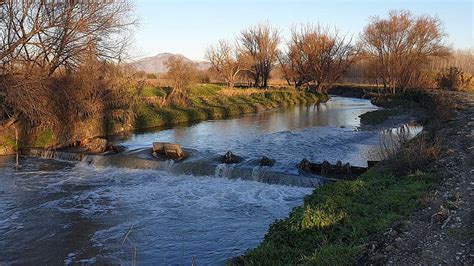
(265, 80)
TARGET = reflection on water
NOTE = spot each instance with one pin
(56, 212)
(220, 135)
(327, 131)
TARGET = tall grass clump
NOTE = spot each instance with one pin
(404, 156)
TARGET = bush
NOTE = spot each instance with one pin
(408, 157)
(453, 78)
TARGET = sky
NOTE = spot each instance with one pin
(189, 27)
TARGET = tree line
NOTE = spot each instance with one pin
(61, 61)
(393, 51)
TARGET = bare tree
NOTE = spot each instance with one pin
(261, 45)
(462, 59)
(401, 45)
(287, 68)
(319, 57)
(42, 45)
(226, 60)
(53, 34)
(181, 72)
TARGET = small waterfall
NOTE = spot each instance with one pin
(224, 170)
(57, 155)
(201, 167)
(167, 165)
(121, 161)
(259, 173)
(265, 175)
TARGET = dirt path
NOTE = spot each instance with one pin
(441, 232)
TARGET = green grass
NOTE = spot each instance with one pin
(336, 219)
(153, 92)
(205, 102)
(203, 89)
(7, 142)
(44, 139)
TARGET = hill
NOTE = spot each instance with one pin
(156, 64)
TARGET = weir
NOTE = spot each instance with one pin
(200, 166)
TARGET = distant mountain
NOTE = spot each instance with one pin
(156, 64)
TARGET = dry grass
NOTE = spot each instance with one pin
(239, 92)
(406, 156)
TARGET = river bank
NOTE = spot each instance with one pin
(208, 101)
(441, 232)
(202, 102)
(338, 223)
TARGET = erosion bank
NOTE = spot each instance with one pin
(338, 222)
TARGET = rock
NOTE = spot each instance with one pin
(347, 169)
(230, 158)
(305, 165)
(171, 150)
(325, 167)
(378, 258)
(115, 148)
(95, 145)
(265, 161)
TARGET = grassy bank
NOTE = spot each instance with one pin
(197, 103)
(336, 221)
(207, 101)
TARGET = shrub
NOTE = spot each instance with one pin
(453, 78)
(408, 157)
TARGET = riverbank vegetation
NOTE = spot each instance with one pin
(63, 71)
(208, 101)
(337, 220)
(60, 68)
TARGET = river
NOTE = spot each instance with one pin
(56, 212)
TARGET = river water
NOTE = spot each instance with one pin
(56, 212)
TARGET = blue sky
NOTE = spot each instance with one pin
(188, 27)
